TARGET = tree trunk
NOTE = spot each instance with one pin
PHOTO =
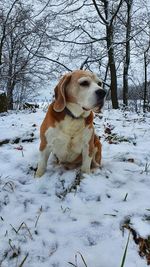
(111, 58)
(10, 82)
(3, 102)
(127, 54)
(108, 21)
(10, 88)
(9, 96)
(145, 82)
(112, 66)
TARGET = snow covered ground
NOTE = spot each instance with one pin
(44, 222)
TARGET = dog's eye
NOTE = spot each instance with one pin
(100, 84)
(85, 83)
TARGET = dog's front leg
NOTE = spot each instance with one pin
(43, 158)
(86, 155)
(86, 160)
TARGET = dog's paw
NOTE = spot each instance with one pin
(39, 172)
(85, 169)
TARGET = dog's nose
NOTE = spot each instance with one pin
(100, 93)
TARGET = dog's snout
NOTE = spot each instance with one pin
(100, 93)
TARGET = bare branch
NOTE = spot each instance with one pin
(35, 54)
(99, 13)
(84, 62)
(116, 12)
(42, 9)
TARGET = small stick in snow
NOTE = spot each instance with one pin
(23, 261)
(40, 212)
(125, 198)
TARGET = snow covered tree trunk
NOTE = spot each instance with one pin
(127, 53)
(3, 102)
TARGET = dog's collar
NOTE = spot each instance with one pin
(75, 111)
(69, 113)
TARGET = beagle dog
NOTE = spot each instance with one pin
(67, 130)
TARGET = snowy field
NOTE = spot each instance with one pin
(62, 220)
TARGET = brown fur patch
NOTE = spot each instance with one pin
(89, 120)
(75, 163)
(91, 146)
(70, 98)
(60, 97)
(98, 145)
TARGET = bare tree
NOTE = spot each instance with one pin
(88, 37)
(4, 21)
(18, 63)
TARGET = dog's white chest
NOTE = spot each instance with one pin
(71, 127)
(67, 138)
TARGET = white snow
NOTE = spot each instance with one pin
(51, 230)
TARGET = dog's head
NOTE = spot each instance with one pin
(81, 88)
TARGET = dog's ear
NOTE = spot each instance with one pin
(60, 100)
